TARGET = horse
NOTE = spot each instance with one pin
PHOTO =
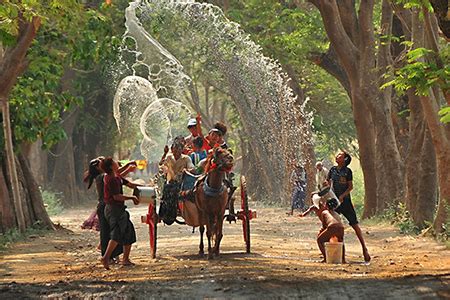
(211, 196)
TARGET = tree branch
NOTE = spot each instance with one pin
(13, 62)
(329, 62)
(347, 52)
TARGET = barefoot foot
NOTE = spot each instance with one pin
(105, 263)
(128, 263)
(367, 257)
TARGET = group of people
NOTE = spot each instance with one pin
(117, 232)
(333, 198)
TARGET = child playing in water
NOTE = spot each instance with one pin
(331, 227)
(325, 202)
(320, 197)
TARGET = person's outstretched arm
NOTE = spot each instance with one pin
(199, 124)
(308, 211)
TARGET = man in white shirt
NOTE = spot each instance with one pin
(321, 175)
(176, 162)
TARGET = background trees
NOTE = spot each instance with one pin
(374, 75)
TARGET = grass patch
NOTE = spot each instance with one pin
(14, 235)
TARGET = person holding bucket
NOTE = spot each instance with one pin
(331, 227)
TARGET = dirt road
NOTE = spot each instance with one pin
(283, 264)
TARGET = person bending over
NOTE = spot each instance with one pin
(331, 227)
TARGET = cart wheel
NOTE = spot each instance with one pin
(244, 207)
(152, 227)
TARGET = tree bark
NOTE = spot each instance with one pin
(441, 10)
(441, 144)
(63, 176)
(12, 64)
(12, 170)
(440, 133)
(428, 185)
(421, 179)
(390, 190)
(37, 159)
(35, 201)
(7, 216)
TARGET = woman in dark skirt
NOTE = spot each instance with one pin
(95, 173)
(121, 229)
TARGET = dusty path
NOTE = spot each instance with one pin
(283, 264)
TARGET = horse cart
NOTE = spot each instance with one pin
(154, 197)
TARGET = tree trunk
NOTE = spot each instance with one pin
(63, 176)
(390, 179)
(7, 216)
(421, 187)
(366, 139)
(439, 134)
(441, 9)
(428, 188)
(34, 197)
(12, 170)
(353, 39)
(11, 66)
(30, 196)
(37, 159)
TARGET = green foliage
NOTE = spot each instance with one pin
(52, 202)
(422, 72)
(445, 114)
(36, 104)
(400, 217)
(70, 37)
(60, 13)
(416, 4)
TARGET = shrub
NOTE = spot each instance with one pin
(52, 202)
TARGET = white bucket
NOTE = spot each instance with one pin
(145, 194)
(333, 252)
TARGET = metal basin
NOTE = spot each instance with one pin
(146, 194)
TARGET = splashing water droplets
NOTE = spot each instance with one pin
(270, 116)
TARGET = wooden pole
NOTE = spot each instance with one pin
(12, 171)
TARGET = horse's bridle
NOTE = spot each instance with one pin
(221, 165)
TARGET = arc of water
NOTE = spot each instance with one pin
(258, 85)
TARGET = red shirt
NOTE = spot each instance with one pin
(113, 186)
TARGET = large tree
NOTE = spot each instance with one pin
(425, 75)
(26, 96)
